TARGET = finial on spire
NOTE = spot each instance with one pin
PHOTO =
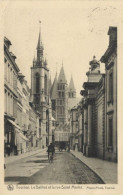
(45, 62)
(34, 57)
(34, 60)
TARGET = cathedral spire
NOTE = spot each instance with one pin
(71, 84)
(40, 47)
(54, 88)
(71, 88)
(62, 77)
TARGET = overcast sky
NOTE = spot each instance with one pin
(71, 32)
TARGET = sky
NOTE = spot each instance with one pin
(71, 32)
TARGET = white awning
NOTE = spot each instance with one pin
(24, 137)
(13, 123)
(52, 119)
(18, 128)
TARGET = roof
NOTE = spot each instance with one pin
(54, 89)
(39, 45)
(62, 77)
(71, 85)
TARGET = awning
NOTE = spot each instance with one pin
(13, 123)
(18, 128)
(52, 119)
(24, 137)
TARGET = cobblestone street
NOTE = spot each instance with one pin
(66, 169)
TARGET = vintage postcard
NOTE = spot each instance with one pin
(60, 79)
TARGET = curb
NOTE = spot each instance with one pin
(92, 169)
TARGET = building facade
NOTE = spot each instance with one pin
(12, 121)
(110, 60)
(99, 105)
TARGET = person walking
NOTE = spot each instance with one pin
(51, 149)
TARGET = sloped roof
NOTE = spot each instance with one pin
(54, 89)
(62, 77)
(71, 85)
(39, 45)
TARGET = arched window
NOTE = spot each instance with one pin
(45, 85)
(37, 82)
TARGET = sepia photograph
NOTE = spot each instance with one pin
(60, 93)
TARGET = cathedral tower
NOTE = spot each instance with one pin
(62, 98)
(71, 89)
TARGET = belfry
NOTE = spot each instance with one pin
(40, 97)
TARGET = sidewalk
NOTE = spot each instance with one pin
(106, 170)
(11, 159)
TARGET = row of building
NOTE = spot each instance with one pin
(31, 115)
(94, 120)
(22, 125)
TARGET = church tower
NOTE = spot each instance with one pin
(40, 90)
(62, 98)
(54, 97)
(71, 89)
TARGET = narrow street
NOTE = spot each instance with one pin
(65, 169)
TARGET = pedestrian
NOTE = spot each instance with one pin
(51, 149)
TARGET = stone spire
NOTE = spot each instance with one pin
(62, 77)
(71, 85)
(54, 88)
(40, 48)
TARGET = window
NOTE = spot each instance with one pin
(45, 85)
(62, 94)
(37, 83)
(60, 102)
(5, 100)
(59, 94)
(8, 73)
(60, 110)
(111, 86)
(63, 110)
(110, 132)
(15, 81)
(76, 116)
